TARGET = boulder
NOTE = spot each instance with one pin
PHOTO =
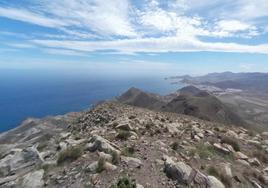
(177, 171)
(33, 179)
(220, 148)
(243, 162)
(132, 162)
(101, 144)
(214, 182)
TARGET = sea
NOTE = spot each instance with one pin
(28, 93)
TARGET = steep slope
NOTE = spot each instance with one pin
(157, 149)
(188, 100)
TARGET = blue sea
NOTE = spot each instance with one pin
(27, 93)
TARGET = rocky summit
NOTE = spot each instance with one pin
(115, 145)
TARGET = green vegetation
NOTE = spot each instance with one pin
(124, 182)
(70, 154)
(205, 151)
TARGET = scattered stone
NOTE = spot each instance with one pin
(221, 148)
(132, 162)
(240, 155)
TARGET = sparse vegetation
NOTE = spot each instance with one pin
(205, 151)
(175, 146)
(70, 154)
(115, 157)
(124, 182)
(231, 141)
(123, 135)
(101, 163)
(128, 151)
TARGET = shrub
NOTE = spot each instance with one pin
(124, 182)
(70, 154)
(128, 151)
(101, 164)
(123, 135)
(115, 157)
(231, 141)
(175, 146)
(205, 151)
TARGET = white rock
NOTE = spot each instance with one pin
(33, 179)
(214, 182)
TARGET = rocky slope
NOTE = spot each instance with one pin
(115, 144)
(188, 100)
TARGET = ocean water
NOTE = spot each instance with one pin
(29, 93)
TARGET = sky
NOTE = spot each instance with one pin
(135, 36)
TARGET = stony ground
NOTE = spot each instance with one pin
(98, 147)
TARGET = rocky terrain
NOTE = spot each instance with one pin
(245, 93)
(116, 145)
(188, 100)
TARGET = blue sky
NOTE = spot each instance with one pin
(135, 36)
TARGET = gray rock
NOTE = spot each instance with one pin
(220, 148)
(33, 179)
(214, 182)
(132, 162)
(177, 171)
(101, 144)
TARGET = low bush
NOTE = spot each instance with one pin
(70, 154)
(101, 163)
(124, 182)
(175, 146)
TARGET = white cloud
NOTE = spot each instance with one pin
(246, 66)
(151, 45)
(63, 52)
(157, 26)
(30, 17)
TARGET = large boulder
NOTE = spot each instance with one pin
(177, 171)
(33, 179)
(101, 144)
(214, 182)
